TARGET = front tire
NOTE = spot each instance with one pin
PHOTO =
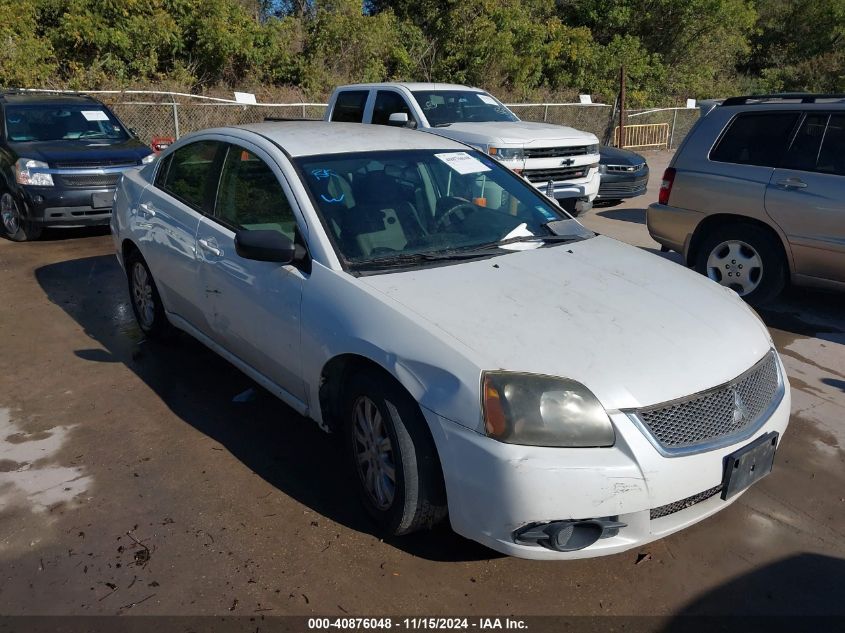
(15, 226)
(144, 297)
(746, 258)
(390, 448)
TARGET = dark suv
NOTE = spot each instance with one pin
(61, 157)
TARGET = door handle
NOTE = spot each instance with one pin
(210, 245)
(147, 210)
(792, 183)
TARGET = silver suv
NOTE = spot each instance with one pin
(755, 195)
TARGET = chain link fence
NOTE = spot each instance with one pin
(152, 114)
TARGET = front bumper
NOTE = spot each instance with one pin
(618, 186)
(65, 207)
(495, 489)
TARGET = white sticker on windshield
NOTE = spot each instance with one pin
(95, 115)
(487, 99)
(462, 162)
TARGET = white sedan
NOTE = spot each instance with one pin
(556, 393)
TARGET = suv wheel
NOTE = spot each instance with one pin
(745, 258)
(391, 450)
(14, 225)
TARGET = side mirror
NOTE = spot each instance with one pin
(265, 246)
(401, 119)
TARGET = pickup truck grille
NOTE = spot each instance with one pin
(105, 162)
(90, 180)
(556, 173)
(555, 152)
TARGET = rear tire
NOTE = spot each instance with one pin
(393, 456)
(144, 297)
(746, 258)
(14, 225)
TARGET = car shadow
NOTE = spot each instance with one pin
(208, 393)
(635, 216)
(58, 235)
(801, 588)
(807, 312)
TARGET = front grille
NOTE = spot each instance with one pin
(683, 504)
(727, 411)
(629, 186)
(557, 173)
(556, 152)
(624, 169)
(90, 180)
(105, 162)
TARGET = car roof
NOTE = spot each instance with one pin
(37, 98)
(412, 86)
(308, 138)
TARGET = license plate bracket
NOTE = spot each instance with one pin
(749, 464)
(102, 200)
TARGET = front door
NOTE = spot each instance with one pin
(806, 196)
(253, 307)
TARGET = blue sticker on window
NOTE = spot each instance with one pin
(321, 174)
(333, 200)
(547, 213)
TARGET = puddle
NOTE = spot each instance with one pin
(27, 478)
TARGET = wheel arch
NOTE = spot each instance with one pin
(723, 219)
(127, 247)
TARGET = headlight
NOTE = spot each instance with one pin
(24, 174)
(146, 160)
(537, 410)
(506, 153)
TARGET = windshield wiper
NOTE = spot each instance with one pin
(401, 259)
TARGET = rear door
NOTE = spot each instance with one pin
(253, 307)
(167, 218)
(806, 196)
(349, 106)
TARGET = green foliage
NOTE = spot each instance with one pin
(520, 49)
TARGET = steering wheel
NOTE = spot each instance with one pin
(453, 204)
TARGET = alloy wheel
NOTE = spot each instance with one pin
(374, 453)
(142, 295)
(736, 265)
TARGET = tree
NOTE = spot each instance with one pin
(26, 58)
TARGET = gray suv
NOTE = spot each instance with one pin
(755, 196)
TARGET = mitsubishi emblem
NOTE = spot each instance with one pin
(740, 412)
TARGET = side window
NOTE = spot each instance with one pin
(349, 106)
(388, 102)
(188, 174)
(805, 148)
(161, 171)
(832, 154)
(759, 138)
(250, 196)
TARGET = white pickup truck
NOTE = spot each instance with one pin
(560, 161)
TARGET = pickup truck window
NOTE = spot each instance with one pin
(444, 107)
(349, 106)
(388, 102)
(376, 205)
(61, 123)
(250, 196)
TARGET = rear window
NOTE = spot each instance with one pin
(27, 123)
(349, 106)
(188, 174)
(758, 138)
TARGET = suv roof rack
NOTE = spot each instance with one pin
(804, 97)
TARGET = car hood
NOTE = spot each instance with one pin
(83, 150)
(515, 133)
(636, 329)
(615, 156)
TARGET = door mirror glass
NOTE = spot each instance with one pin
(398, 118)
(265, 245)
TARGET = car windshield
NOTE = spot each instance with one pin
(62, 122)
(443, 107)
(402, 207)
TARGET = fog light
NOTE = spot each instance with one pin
(568, 536)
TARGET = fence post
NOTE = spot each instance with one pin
(303, 109)
(175, 119)
(672, 132)
(546, 114)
